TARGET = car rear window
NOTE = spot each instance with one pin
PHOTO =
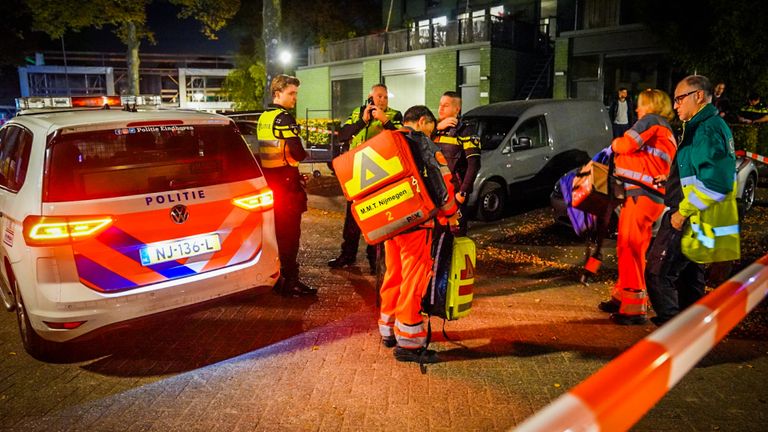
(140, 160)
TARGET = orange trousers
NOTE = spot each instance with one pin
(634, 236)
(409, 267)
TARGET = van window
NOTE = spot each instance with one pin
(132, 161)
(492, 131)
(534, 128)
(15, 145)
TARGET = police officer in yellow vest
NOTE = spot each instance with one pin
(280, 150)
(376, 116)
(702, 224)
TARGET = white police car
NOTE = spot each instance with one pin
(110, 215)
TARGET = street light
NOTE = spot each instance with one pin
(285, 57)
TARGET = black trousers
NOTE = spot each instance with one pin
(290, 203)
(674, 282)
(351, 237)
(619, 129)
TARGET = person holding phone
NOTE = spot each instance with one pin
(363, 124)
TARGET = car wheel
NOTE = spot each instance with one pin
(316, 173)
(36, 346)
(748, 196)
(491, 202)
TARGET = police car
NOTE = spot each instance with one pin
(109, 215)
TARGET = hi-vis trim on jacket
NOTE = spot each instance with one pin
(702, 189)
(470, 144)
(272, 147)
(644, 152)
(707, 163)
(708, 238)
(111, 261)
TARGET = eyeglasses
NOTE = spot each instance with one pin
(679, 99)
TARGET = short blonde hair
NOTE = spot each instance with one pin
(657, 102)
(281, 82)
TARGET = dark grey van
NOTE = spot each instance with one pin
(528, 145)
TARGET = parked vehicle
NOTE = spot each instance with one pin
(111, 215)
(747, 177)
(527, 145)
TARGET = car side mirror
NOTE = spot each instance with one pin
(521, 143)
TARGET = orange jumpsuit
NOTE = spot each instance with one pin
(642, 153)
(409, 264)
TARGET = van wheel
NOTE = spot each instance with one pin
(748, 196)
(491, 202)
(36, 346)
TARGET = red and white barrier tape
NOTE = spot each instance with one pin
(619, 394)
(753, 156)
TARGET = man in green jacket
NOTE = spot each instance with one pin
(702, 224)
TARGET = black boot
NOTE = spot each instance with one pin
(416, 355)
(610, 306)
(294, 288)
(622, 319)
(341, 261)
(305, 289)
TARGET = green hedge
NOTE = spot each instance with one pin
(752, 138)
(317, 132)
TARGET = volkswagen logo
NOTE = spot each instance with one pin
(179, 214)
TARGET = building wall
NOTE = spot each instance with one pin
(485, 75)
(441, 76)
(560, 90)
(314, 92)
(509, 71)
(371, 74)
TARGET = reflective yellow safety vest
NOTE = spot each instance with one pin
(707, 166)
(273, 150)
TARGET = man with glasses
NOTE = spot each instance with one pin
(701, 225)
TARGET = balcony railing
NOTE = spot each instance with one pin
(511, 34)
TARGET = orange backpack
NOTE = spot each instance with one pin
(382, 180)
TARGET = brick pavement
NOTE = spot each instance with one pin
(261, 362)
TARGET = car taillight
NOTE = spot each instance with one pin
(53, 230)
(260, 201)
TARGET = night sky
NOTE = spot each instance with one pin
(173, 35)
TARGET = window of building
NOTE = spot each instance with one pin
(204, 88)
(405, 90)
(470, 86)
(346, 95)
(497, 11)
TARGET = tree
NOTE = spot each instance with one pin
(722, 39)
(270, 33)
(129, 19)
(244, 85)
